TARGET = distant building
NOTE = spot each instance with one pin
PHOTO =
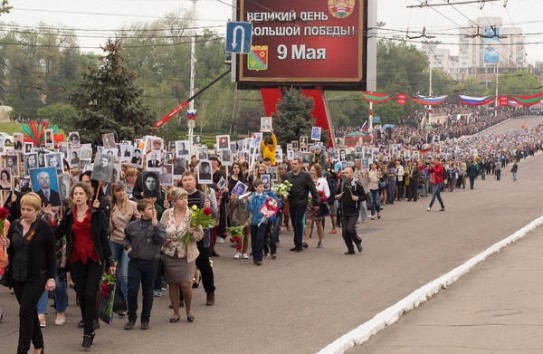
(504, 46)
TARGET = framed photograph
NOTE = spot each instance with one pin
(24, 185)
(204, 172)
(127, 152)
(28, 146)
(290, 155)
(11, 162)
(18, 141)
(73, 139)
(226, 157)
(45, 184)
(64, 184)
(266, 124)
(223, 142)
(54, 159)
(166, 175)
(303, 143)
(137, 159)
(256, 139)
(108, 141)
(239, 189)
(111, 152)
(30, 161)
(49, 139)
(153, 159)
(74, 158)
(307, 158)
(6, 180)
(197, 140)
(116, 173)
(273, 173)
(316, 133)
(295, 145)
(202, 153)
(221, 183)
(266, 179)
(151, 184)
(182, 148)
(279, 155)
(157, 144)
(365, 164)
(342, 155)
(41, 157)
(179, 167)
(103, 168)
(85, 151)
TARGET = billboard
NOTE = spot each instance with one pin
(311, 43)
(491, 40)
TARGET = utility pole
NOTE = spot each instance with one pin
(192, 111)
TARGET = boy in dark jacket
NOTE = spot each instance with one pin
(143, 239)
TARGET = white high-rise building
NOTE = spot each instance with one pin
(506, 49)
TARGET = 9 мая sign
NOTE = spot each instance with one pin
(304, 42)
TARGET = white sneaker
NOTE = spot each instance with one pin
(60, 319)
(237, 255)
(221, 240)
(43, 321)
(245, 256)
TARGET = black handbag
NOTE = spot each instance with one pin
(6, 279)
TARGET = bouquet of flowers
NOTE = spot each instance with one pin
(282, 189)
(322, 197)
(107, 295)
(200, 217)
(236, 235)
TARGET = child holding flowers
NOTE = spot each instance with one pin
(257, 221)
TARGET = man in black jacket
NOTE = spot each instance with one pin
(350, 194)
(302, 185)
(143, 239)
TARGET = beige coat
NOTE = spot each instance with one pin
(174, 236)
(120, 219)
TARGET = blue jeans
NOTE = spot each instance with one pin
(141, 272)
(391, 189)
(121, 273)
(258, 236)
(375, 201)
(297, 214)
(61, 298)
(437, 194)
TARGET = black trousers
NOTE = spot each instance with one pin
(348, 231)
(202, 262)
(87, 279)
(28, 295)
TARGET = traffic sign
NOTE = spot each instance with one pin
(238, 37)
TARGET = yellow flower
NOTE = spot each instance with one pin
(194, 207)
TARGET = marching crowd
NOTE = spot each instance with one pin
(147, 236)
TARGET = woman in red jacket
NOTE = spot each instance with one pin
(436, 170)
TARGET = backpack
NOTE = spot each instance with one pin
(332, 185)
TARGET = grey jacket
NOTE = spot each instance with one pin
(144, 239)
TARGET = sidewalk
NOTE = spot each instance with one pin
(496, 308)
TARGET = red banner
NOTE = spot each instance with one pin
(503, 101)
(169, 116)
(401, 98)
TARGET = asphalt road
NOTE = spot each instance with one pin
(299, 303)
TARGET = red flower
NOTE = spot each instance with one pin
(207, 211)
(3, 213)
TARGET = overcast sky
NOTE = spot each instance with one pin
(443, 22)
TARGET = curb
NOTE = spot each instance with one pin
(392, 314)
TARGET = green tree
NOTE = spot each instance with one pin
(293, 118)
(517, 84)
(62, 114)
(4, 7)
(108, 101)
